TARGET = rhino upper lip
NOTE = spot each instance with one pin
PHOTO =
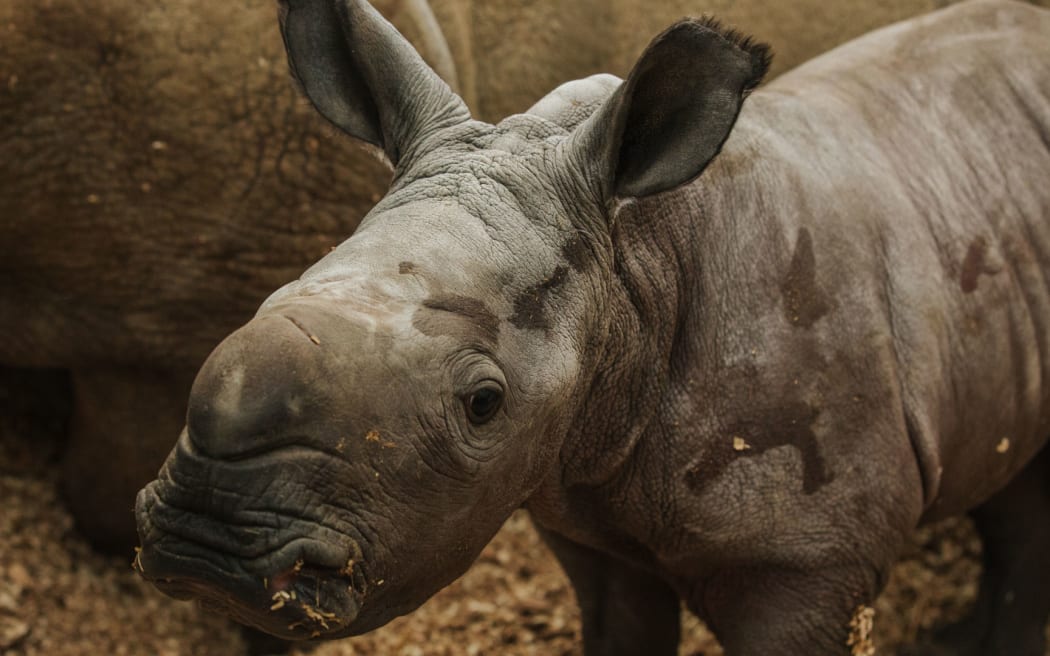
(323, 554)
(282, 570)
(303, 576)
(196, 485)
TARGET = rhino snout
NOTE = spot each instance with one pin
(253, 392)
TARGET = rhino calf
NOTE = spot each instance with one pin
(728, 353)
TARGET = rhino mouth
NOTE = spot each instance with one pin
(306, 589)
(285, 573)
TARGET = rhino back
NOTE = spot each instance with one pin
(877, 245)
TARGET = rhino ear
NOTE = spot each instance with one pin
(363, 76)
(669, 119)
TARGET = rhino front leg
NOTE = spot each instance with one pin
(625, 610)
(781, 612)
(123, 425)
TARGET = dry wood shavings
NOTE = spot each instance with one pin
(348, 569)
(321, 617)
(59, 598)
(281, 598)
(860, 626)
(12, 631)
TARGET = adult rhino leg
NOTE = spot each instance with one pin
(124, 423)
(34, 410)
(625, 610)
(1013, 601)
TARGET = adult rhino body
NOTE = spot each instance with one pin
(743, 391)
(509, 54)
(158, 179)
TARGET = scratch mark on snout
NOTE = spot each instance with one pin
(313, 338)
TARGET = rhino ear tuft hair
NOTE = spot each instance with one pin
(672, 115)
(760, 54)
(363, 76)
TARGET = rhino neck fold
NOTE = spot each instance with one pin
(669, 282)
(651, 287)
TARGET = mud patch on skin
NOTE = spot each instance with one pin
(576, 253)
(530, 307)
(975, 263)
(460, 317)
(767, 428)
(804, 301)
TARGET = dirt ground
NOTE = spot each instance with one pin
(58, 598)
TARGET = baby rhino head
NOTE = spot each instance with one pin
(352, 449)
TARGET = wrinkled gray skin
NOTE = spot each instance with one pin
(743, 390)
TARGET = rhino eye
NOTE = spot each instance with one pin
(483, 403)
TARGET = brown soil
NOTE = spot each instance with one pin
(59, 598)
